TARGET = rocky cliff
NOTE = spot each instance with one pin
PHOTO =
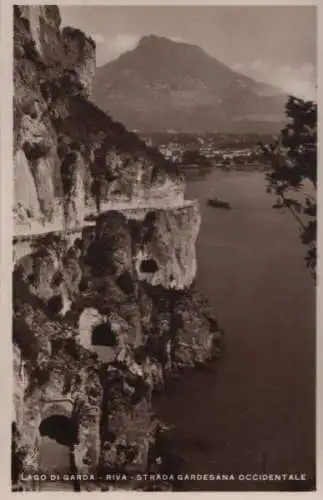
(70, 159)
(104, 306)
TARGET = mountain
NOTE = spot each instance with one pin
(162, 85)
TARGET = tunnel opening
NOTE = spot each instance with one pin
(102, 335)
(125, 282)
(55, 305)
(59, 428)
(57, 279)
(148, 266)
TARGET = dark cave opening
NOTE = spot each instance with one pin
(125, 282)
(148, 266)
(60, 428)
(55, 304)
(103, 335)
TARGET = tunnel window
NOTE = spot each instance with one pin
(148, 226)
(150, 219)
(84, 284)
(103, 335)
(55, 304)
(57, 279)
(140, 354)
(125, 282)
(60, 428)
(148, 266)
(110, 437)
(79, 244)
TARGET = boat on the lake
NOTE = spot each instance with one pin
(216, 203)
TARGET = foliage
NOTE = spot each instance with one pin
(293, 171)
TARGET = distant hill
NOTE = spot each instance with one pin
(164, 85)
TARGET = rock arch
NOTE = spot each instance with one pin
(58, 430)
(58, 422)
(148, 265)
(103, 335)
(63, 407)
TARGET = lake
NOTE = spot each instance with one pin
(256, 412)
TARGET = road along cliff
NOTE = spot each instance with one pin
(104, 306)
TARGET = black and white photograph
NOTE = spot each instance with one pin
(164, 265)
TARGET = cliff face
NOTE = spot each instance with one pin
(71, 160)
(105, 308)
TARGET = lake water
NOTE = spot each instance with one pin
(257, 411)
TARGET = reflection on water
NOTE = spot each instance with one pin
(261, 401)
(196, 173)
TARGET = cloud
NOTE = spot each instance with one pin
(178, 39)
(300, 81)
(98, 38)
(122, 43)
(110, 47)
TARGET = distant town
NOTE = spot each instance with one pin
(224, 151)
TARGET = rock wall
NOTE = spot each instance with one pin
(105, 306)
(70, 159)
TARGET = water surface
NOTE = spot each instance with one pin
(256, 413)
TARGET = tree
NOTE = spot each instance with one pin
(292, 174)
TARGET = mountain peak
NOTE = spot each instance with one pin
(169, 84)
(155, 41)
(152, 39)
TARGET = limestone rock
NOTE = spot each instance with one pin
(67, 167)
(104, 264)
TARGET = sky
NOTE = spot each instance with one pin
(272, 44)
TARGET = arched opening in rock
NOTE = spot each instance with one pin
(148, 266)
(148, 227)
(59, 434)
(57, 279)
(84, 284)
(55, 304)
(60, 429)
(125, 282)
(35, 150)
(79, 244)
(102, 335)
